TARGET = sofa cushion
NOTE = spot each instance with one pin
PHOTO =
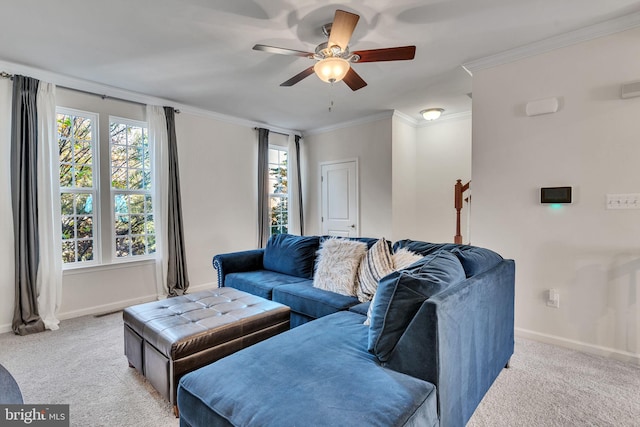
(318, 374)
(292, 255)
(312, 302)
(260, 282)
(401, 294)
(422, 248)
(476, 260)
(337, 265)
(376, 264)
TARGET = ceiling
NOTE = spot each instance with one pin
(199, 52)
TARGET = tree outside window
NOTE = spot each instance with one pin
(279, 190)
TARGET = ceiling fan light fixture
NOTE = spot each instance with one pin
(332, 69)
(432, 113)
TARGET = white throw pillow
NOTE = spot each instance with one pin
(403, 258)
(337, 265)
(376, 264)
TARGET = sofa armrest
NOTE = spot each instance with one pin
(460, 340)
(236, 262)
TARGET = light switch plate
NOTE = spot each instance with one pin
(623, 201)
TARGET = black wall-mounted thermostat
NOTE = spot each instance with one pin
(555, 195)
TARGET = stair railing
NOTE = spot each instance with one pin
(459, 190)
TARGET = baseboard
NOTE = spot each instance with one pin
(580, 346)
(203, 287)
(106, 308)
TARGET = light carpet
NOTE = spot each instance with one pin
(83, 365)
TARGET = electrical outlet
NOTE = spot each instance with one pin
(553, 298)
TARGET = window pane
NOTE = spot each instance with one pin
(137, 224)
(119, 178)
(82, 128)
(122, 225)
(139, 246)
(118, 133)
(85, 226)
(68, 227)
(123, 247)
(135, 179)
(84, 204)
(64, 145)
(82, 152)
(84, 176)
(66, 175)
(120, 203)
(136, 203)
(69, 251)
(66, 204)
(85, 250)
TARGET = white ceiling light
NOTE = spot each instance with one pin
(431, 113)
(332, 69)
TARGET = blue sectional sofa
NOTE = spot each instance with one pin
(440, 331)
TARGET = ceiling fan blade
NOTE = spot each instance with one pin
(342, 28)
(388, 54)
(353, 80)
(295, 79)
(282, 51)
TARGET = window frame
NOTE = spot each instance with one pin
(94, 190)
(113, 191)
(286, 195)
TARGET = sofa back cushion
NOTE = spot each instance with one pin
(293, 255)
(476, 260)
(401, 294)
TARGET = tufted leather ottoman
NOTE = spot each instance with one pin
(166, 339)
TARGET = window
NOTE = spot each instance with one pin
(78, 185)
(125, 200)
(278, 190)
(131, 189)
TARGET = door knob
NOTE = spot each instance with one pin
(353, 226)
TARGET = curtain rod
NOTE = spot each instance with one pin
(6, 75)
(272, 131)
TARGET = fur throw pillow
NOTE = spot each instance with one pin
(337, 265)
(403, 258)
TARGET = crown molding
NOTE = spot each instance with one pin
(107, 91)
(445, 118)
(602, 29)
(405, 118)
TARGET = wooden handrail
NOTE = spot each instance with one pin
(459, 190)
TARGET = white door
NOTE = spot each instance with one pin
(340, 198)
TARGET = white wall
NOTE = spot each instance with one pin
(404, 165)
(443, 155)
(218, 179)
(590, 254)
(370, 143)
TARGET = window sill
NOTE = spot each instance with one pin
(117, 265)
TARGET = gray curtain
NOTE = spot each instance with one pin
(24, 196)
(177, 277)
(264, 219)
(297, 141)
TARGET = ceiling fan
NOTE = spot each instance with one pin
(333, 56)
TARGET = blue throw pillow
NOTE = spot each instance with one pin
(401, 294)
(292, 255)
(476, 260)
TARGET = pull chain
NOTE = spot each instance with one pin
(331, 98)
